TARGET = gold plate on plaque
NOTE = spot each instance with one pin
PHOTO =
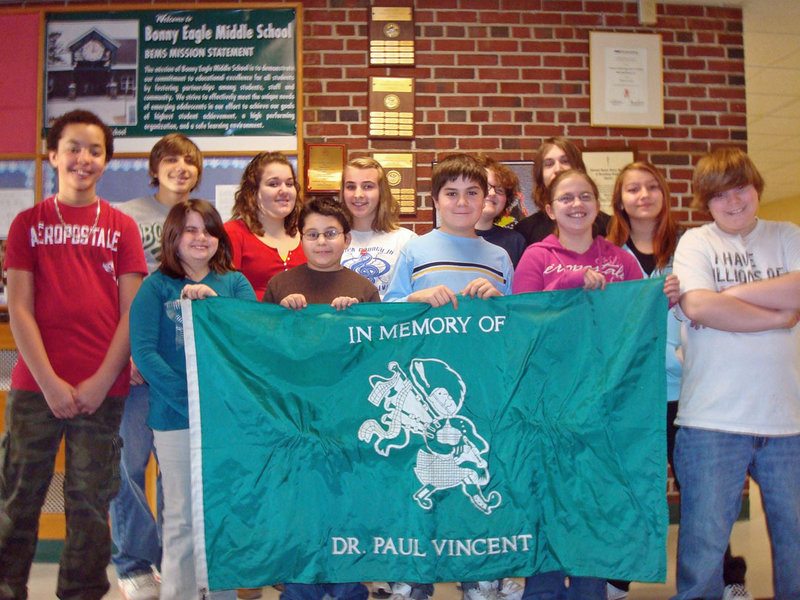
(324, 166)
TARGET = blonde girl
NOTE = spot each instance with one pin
(377, 237)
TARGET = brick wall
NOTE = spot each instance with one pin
(500, 75)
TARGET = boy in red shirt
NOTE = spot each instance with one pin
(74, 265)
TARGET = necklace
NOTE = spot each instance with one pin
(60, 218)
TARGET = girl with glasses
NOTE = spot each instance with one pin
(569, 258)
(503, 187)
(573, 256)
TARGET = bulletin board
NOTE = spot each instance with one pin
(19, 84)
(127, 178)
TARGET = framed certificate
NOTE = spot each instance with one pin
(603, 166)
(626, 79)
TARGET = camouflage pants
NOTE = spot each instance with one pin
(27, 457)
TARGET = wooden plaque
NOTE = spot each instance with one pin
(391, 107)
(402, 178)
(391, 35)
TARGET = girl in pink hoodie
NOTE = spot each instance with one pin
(571, 257)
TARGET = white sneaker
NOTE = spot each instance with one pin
(614, 593)
(400, 591)
(510, 589)
(479, 594)
(486, 590)
(736, 591)
(140, 587)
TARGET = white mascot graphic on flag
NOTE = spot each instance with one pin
(427, 404)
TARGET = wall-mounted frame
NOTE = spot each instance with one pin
(603, 166)
(626, 80)
(524, 171)
(17, 184)
(324, 166)
(229, 78)
(54, 46)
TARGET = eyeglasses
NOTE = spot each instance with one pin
(497, 190)
(585, 197)
(313, 236)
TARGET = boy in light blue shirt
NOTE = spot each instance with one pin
(442, 265)
(452, 260)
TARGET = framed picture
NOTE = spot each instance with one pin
(626, 80)
(603, 166)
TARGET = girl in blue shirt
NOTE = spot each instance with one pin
(196, 262)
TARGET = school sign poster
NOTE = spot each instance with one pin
(402, 442)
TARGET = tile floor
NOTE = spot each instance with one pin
(749, 539)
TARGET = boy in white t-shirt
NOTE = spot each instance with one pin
(739, 409)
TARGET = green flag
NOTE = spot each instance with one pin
(402, 442)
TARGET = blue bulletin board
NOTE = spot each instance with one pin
(127, 178)
(17, 179)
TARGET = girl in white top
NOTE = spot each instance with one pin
(376, 236)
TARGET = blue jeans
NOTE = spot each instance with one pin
(312, 591)
(136, 534)
(551, 586)
(712, 467)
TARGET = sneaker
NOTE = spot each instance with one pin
(736, 591)
(614, 593)
(480, 594)
(139, 587)
(400, 591)
(510, 589)
(381, 590)
(486, 590)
